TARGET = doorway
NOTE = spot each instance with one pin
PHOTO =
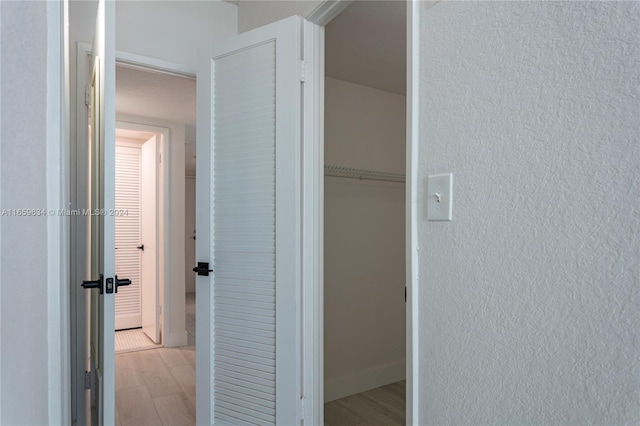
(137, 319)
(364, 214)
(155, 380)
(184, 236)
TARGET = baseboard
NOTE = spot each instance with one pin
(172, 340)
(363, 381)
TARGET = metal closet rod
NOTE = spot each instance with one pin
(362, 174)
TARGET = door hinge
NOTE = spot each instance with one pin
(87, 380)
(87, 95)
(302, 412)
(159, 309)
(159, 158)
(303, 71)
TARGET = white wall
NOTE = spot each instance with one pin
(364, 269)
(530, 298)
(23, 358)
(189, 226)
(33, 306)
(173, 31)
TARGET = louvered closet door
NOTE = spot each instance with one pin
(254, 188)
(128, 182)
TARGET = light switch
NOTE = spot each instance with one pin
(439, 197)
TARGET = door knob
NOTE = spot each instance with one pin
(93, 284)
(141, 247)
(202, 269)
(124, 281)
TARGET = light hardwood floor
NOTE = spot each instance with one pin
(158, 387)
(381, 406)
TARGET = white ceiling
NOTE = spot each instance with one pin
(157, 95)
(162, 96)
(365, 44)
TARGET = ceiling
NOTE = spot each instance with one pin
(162, 96)
(365, 44)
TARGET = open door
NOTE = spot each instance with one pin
(252, 153)
(103, 283)
(149, 247)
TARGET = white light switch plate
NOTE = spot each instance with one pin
(439, 197)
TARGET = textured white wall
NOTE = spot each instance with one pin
(24, 282)
(364, 268)
(530, 298)
(173, 31)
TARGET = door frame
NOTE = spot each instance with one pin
(78, 196)
(322, 15)
(162, 224)
(313, 346)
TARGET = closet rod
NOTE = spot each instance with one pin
(362, 174)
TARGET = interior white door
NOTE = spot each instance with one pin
(101, 256)
(249, 201)
(128, 306)
(149, 220)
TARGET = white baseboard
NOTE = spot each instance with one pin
(363, 381)
(171, 340)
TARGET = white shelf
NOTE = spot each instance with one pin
(362, 174)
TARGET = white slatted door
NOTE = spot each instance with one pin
(249, 202)
(128, 238)
(101, 257)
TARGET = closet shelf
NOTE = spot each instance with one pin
(362, 174)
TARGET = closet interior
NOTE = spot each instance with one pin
(364, 205)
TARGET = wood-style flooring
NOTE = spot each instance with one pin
(380, 406)
(157, 387)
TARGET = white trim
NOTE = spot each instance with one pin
(413, 394)
(148, 64)
(175, 339)
(363, 381)
(57, 247)
(144, 63)
(0, 216)
(326, 11)
(204, 392)
(312, 232)
(78, 192)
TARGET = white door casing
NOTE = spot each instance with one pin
(253, 141)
